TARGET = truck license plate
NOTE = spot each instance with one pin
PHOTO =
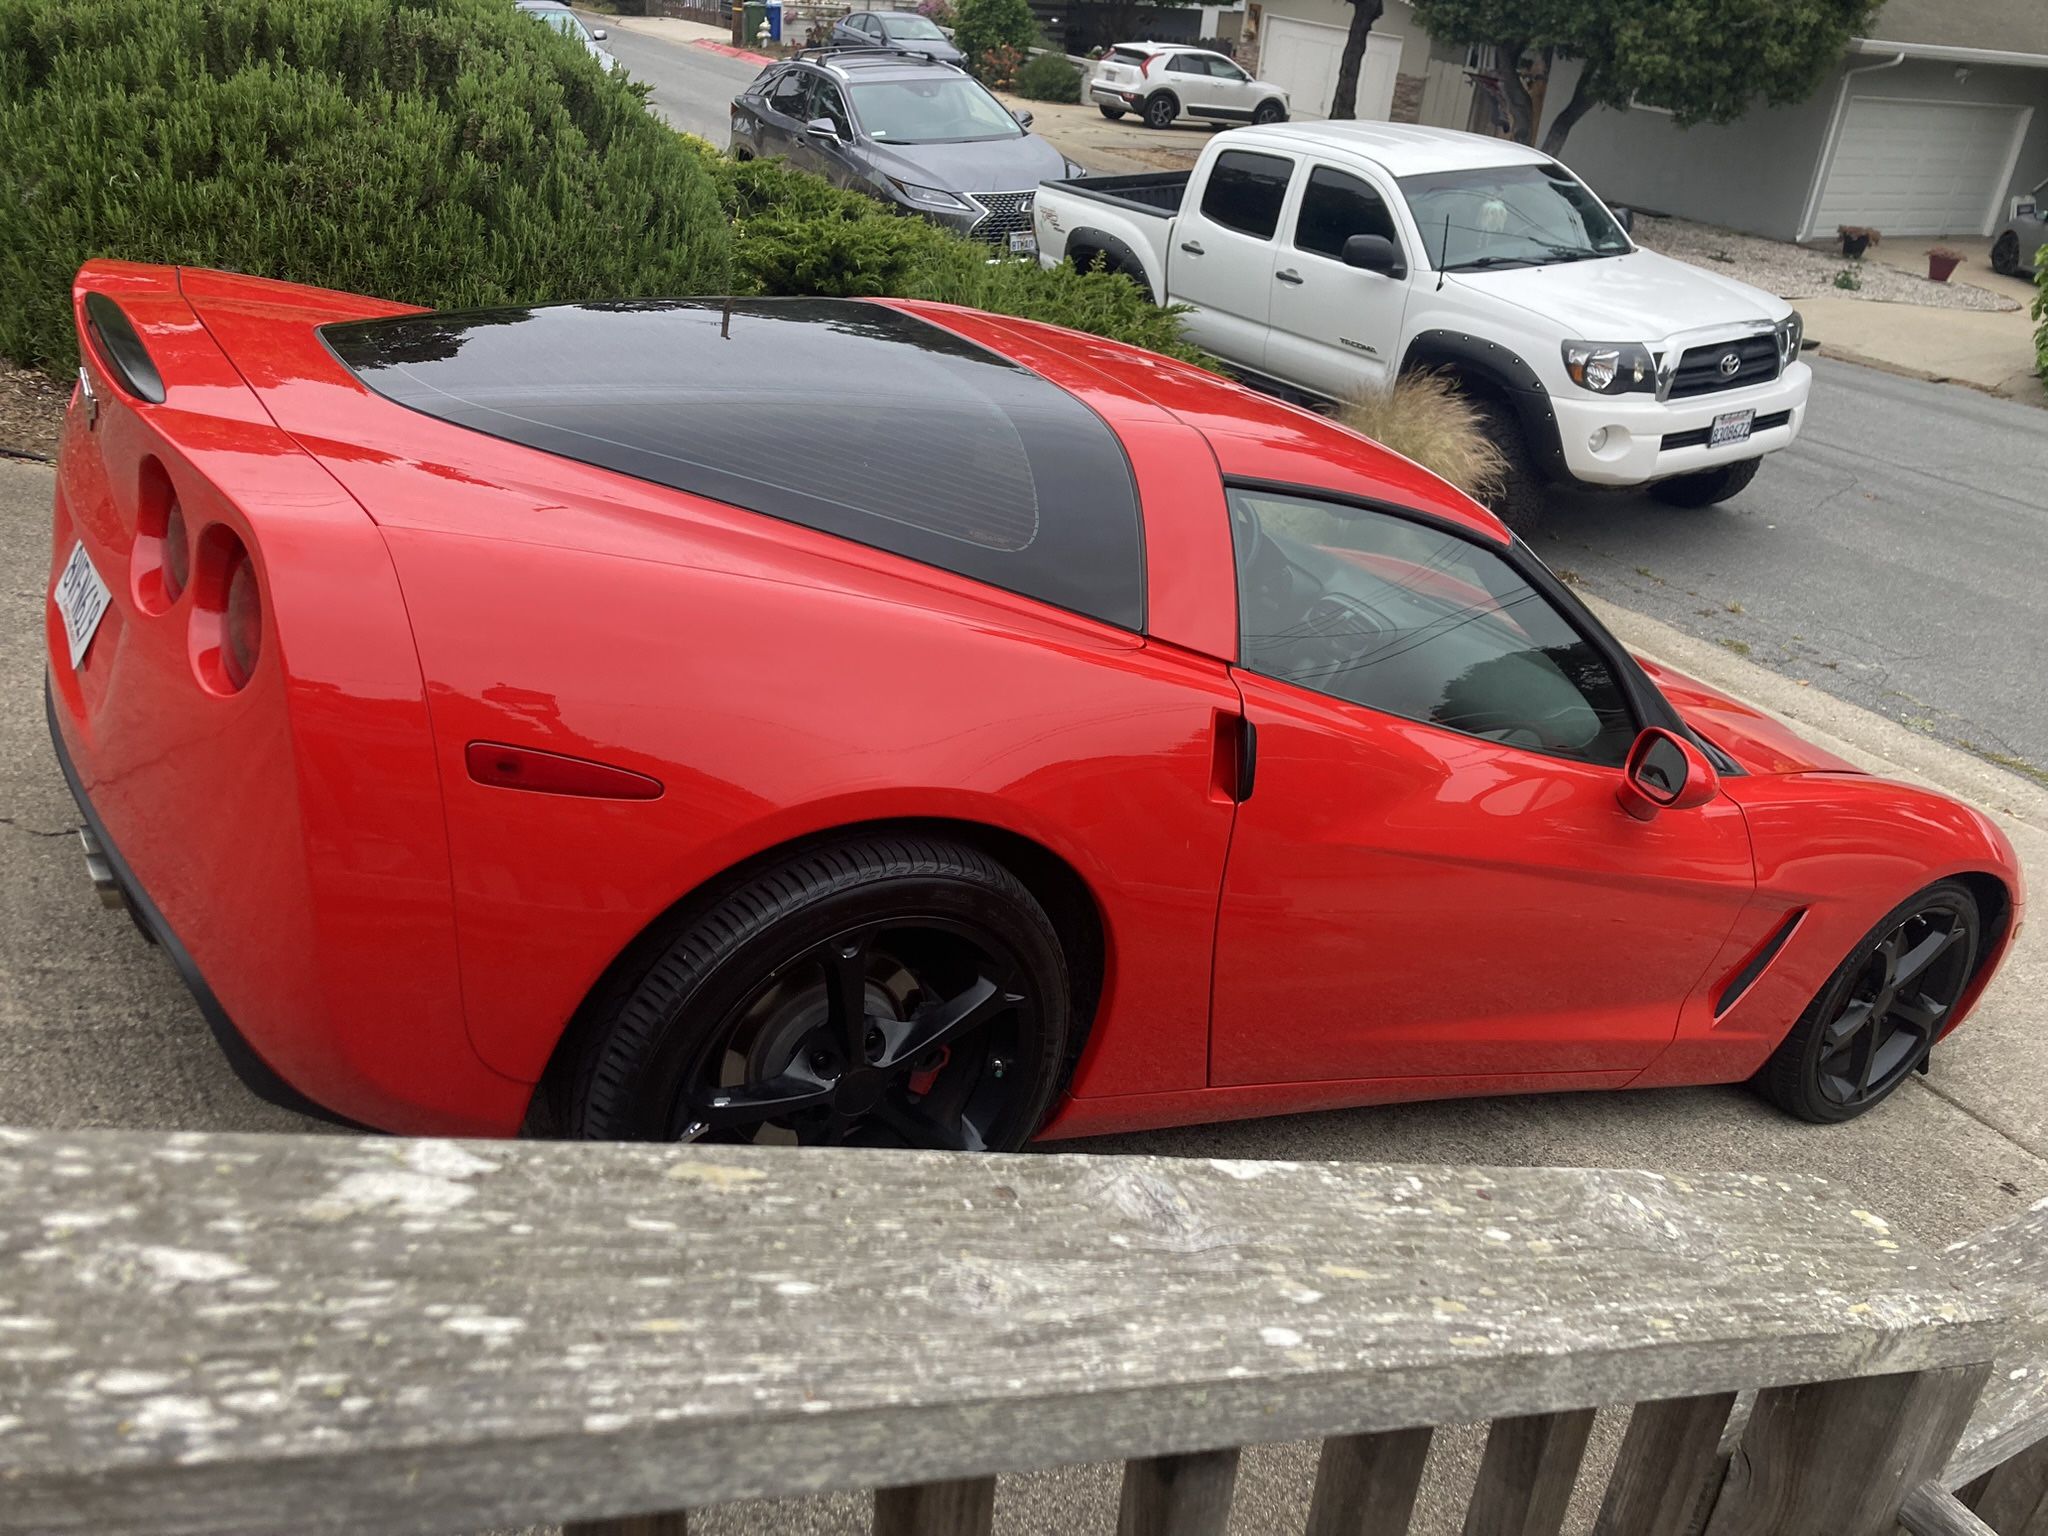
(81, 599)
(1731, 428)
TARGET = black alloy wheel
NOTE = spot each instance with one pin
(1160, 111)
(2005, 255)
(899, 993)
(1878, 1016)
(1269, 111)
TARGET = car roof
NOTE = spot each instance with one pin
(904, 62)
(541, 5)
(1408, 149)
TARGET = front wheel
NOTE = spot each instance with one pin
(1160, 111)
(1269, 112)
(1878, 1015)
(1706, 486)
(1518, 498)
(890, 992)
(1112, 113)
(2005, 255)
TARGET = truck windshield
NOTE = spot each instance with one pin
(931, 110)
(1510, 215)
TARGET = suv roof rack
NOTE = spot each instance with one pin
(826, 52)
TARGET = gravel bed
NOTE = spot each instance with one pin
(31, 411)
(1797, 272)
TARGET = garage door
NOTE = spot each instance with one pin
(1919, 167)
(1301, 58)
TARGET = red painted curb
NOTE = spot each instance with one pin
(733, 53)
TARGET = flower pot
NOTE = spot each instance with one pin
(1853, 246)
(1940, 264)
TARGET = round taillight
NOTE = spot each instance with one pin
(177, 555)
(242, 625)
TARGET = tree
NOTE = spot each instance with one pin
(1706, 61)
(1344, 100)
(981, 27)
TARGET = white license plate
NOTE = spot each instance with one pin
(1023, 243)
(1731, 428)
(81, 599)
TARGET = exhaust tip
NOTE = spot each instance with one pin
(102, 872)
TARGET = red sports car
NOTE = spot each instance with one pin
(878, 722)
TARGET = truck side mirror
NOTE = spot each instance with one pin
(1626, 218)
(1375, 253)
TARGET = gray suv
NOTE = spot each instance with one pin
(921, 135)
(896, 29)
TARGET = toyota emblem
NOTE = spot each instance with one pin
(1731, 364)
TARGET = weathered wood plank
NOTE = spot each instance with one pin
(630, 1525)
(1660, 1476)
(2014, 1498)
(1796, 1472)
(966, 1507)
(1526, 1475)
(1931, 1510)
(2013, 1257)
(1366, 1484)
(1186, 1495)
(228, 1334)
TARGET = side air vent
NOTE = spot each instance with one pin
(1745, 978)
(121, 350)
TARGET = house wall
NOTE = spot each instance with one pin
(1415, 80)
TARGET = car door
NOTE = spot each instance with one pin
(852, 30)
(1221, 256)
(784, 103)
(820, 154)
(1432, 876)
(1232, 87)
(1334, 329)
(1188, 74)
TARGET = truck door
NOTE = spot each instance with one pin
(1335, 329)
(1220, 259)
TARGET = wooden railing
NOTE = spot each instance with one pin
(221, 1334)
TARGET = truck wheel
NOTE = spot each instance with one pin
(1519, 500)
(1160, 111)
(1269, 111)
(1707, 486)
(1112, 113)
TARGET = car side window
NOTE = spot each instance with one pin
(1223, 69)
(1187, 64)
(1414, 620)
(1245, 192)
(1335, 206)
(787, 94)
(827, 102)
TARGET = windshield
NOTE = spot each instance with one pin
(931, 110)
(564, 21)
(1510, 215)
(914, 28)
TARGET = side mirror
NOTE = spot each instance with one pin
(822, 128)
(1375, 253)
(1023, 116)
(1626, 218)
(599, 34)
(1665, 772)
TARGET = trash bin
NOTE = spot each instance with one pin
(774, 21)
(752, 14)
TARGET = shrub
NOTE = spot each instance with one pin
(2041, 314)
(982, 25)
(1426, 418)
(997, 66)
(1049, 77)
(938, 11)
(439, 152)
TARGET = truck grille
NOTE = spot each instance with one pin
(1008, 213)
(1699, 370)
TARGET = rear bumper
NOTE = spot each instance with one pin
(110, 870)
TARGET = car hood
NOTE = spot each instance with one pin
(1755, 740)
(1638, 297)
(992, 165)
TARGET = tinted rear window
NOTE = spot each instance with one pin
(1246, 190)
(850, 418)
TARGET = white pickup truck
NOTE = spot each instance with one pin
(1324, 258)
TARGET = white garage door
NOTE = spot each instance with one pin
(1919, 167)
(1301, 58)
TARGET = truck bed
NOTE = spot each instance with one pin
(1157, 193)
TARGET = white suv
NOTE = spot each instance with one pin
(1164, 81)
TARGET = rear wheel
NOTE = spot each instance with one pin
(1160, 111)
(900, 991)
(2005, 255)
(1112, 113)
(1269, 111)
(1877, 1017)
(1519, 500)
(1707, 486)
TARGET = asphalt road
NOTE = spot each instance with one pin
(693, 87)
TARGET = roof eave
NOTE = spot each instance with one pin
(1946, 54)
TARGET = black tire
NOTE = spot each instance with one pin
(1519, 499)
(921, 936)
(1269, 111)
(1882, 1052)
(1160, 110)
(1112, 113)
(2005, 255)
(1707, 486)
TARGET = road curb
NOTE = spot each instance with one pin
(730, 51)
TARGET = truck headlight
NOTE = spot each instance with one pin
(1610, 367)
(928, 197)
(1791, 333)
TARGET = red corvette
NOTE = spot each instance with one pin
(832, 721)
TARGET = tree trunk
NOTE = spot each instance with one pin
(1539, 92)
(1581, 103)
(1344, 100)
(1515, 91)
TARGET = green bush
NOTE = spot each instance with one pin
(794, 233)
(980, 26)
(439, 152)
(2041, 314)
(1049, 77)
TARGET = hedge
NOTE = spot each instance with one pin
(438, 152)
(2041, 314)
(1048, 76)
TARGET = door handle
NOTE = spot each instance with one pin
(1289, 276)
(1191, 247)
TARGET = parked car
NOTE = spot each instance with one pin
(2016, 248)
(500, 725)
(1163, 82)
(897, 29)
(923, 136)
(564, 20)
(1326, 258)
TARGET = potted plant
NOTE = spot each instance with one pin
(1856, 239)
(1941, 261)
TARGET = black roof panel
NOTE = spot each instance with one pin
(852, 418)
